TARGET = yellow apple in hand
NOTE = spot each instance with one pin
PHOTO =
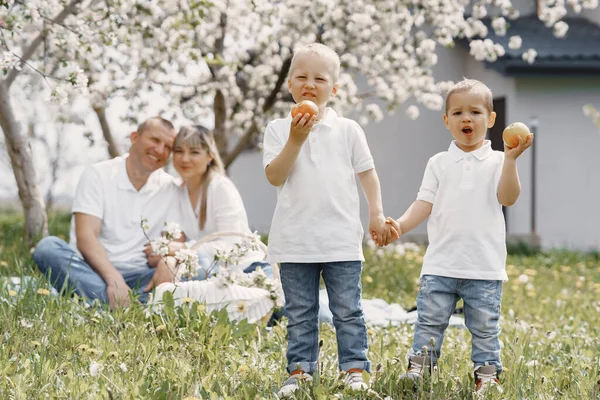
(512, 133)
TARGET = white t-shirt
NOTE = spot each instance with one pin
(317, 216)
(225, 210)
(466, 227)
(105, 191)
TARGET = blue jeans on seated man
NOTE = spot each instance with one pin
(436, 301)
(58, 261)
(300, 283)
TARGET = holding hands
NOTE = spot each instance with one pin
(382, 232)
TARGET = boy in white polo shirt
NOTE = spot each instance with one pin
(316, 227)
(462, 193)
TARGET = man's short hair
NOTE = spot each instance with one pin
(155, 121)
(321, 50)
(473, 85)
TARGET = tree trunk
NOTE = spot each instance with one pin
(113, 147)
(220, 110)
(19, 150)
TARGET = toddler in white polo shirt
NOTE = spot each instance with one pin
(316, 227)
(462, 193)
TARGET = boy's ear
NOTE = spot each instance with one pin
(445, 118)
(491, 120)
(289, 85)
(335, 89)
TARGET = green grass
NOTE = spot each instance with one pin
(58, 348)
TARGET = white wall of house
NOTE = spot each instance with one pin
(568, 179)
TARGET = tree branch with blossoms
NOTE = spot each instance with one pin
(35, 43)
(590, 111)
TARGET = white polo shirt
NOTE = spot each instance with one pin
(466, 227)
(317, 216)
(105, 191)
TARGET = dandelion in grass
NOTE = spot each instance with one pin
(551, 335)
(188, 300)
(43, 292)
(3, 264)
(161, 328)
(113, 354)
(532, 363)
(35, 343)
(83, 347)
(123, 367)
(523, 278)
(26, 323)
(92, 351)
(243, 369)
(12, 293)
(95, 368)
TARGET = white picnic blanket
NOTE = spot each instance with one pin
(380, 313)
(252, 303)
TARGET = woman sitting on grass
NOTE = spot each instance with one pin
(208, 202)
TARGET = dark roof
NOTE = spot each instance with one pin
(575, 54)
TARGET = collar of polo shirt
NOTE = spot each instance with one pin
(124, 183)
(481, 153)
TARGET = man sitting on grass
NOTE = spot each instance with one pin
(106, 259)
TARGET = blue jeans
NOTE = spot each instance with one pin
(436, 301)
(300, 283)
(57, 260)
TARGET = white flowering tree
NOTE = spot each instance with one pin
(24, 32)
(56, 48)
(229, 59)
(232, 64)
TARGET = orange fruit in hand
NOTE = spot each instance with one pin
(305, 107)
(512, 133)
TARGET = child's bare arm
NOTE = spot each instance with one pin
(279, 169)
(509, 187)
(371, 187)
(413, 217)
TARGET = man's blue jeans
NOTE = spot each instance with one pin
(300, 283)
(57, 260)
(436, 301)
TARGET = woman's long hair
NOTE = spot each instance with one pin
(200, 136)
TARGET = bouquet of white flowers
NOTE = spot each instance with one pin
(251, 296)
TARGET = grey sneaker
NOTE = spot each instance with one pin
(292, 384)
(418, 366)
(486, 377)
(354, 380)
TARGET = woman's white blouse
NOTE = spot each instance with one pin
(225, 210)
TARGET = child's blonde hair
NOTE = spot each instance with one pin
(200, 136)
(473, 85)
(322, 51)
